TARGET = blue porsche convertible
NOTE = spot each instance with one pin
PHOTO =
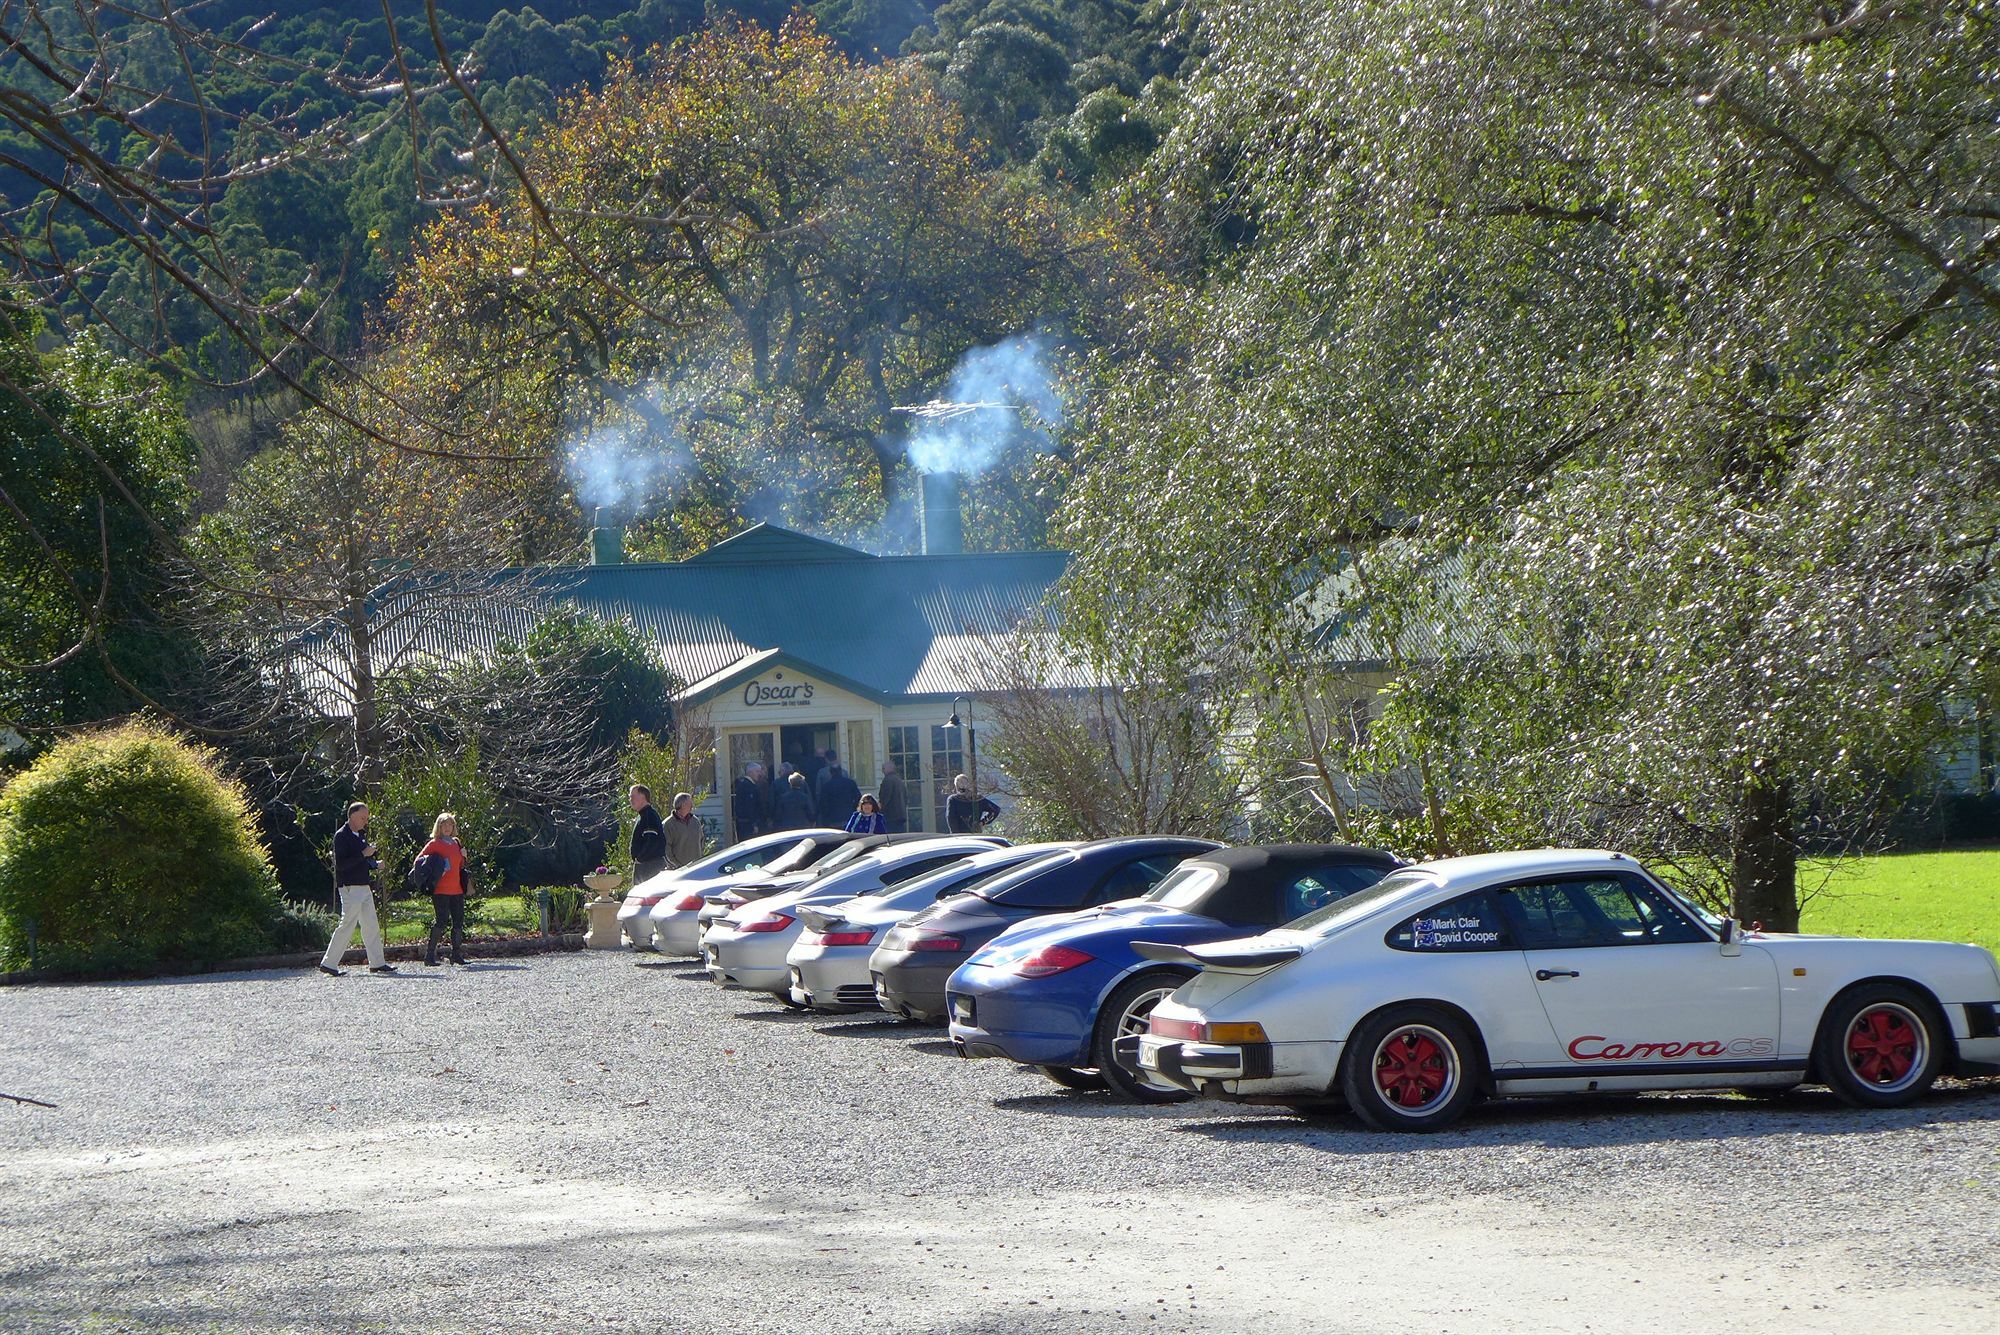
(1057, 993)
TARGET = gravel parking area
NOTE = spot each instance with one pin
(609, 1141)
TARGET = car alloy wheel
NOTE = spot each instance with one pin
(1416, 1068)
(1886, 1046)
(1879, 1045)
(1411, 1067)
(1124, 1016)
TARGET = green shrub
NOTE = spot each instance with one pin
(301, 927)
(128, 846)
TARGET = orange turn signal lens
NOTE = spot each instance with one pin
(1251, 1032)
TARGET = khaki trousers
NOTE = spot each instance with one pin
(357, 909)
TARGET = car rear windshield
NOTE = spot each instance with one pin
(799, 855)
(1330, 919)
(1036, 886)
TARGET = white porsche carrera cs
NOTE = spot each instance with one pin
(1558, 971)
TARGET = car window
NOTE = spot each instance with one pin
(1467, 923)
(750, 860)
(1185, 886)
(1330, 919)
(1634, 915)
(1132, 880)
(1549, 914)
(1322, 886)
(921, 867)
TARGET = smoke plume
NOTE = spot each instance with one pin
(629, 460)
(998, 396)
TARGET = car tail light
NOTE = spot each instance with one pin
(937, 943)
(845, 938)
(1200, 1031)
(688, 904)
(770, 922)
(647, 901)
(1048, 960)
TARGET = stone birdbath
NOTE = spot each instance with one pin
(602, 934)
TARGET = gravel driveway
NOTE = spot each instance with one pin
(603, 1141)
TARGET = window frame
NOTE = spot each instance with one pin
(1604, 932)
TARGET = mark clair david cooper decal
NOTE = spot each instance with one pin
(1597, 1048)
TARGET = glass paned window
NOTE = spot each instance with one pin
(947, 763)
(906, 752)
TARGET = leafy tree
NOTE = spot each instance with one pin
(94, 462)
(772, 248)
(1657, 354)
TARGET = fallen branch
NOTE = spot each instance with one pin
(35, 1103)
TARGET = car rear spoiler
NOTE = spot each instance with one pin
(1225, 956)
(820, 920)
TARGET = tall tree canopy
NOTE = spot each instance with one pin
(1670, 330)
(765, 247)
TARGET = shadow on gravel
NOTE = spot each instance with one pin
(888, 1026)
(493, 968)
(940, 1047)
(1610, 1119)
(1076, 1103)
(775, 1016)
(662, 964)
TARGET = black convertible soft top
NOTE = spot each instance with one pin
(1252, 890)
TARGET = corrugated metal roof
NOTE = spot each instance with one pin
(881, 626)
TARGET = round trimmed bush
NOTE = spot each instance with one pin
(127, 846)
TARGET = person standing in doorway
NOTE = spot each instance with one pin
(685, 837)
(867, 817)
(649, 836)
(795, 804)
(895, 801)
(965, 813)
(839, 794)
(767, 798)
(454, 884)
(746, 802)
(353, 877)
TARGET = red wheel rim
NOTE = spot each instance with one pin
(1886, 1046)
(1416, 1068)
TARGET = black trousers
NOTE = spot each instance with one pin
(447, 909)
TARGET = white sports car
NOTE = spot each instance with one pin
(1555, 972)
(746, 947)
(636, 915)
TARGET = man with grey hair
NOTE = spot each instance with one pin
(747, 801)
(685, 838)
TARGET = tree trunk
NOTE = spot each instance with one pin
(367, 718)
(1764, 871)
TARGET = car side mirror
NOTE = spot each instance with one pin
(1732, 937)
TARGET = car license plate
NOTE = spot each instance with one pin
(1149, 1057)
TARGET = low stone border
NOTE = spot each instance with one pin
(486, 947)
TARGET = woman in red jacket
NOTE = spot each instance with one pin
(448, 898)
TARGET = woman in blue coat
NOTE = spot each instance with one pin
(867, 817)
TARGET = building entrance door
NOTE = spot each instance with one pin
(745, 749)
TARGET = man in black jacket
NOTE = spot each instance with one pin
(839, 794)
(353, 873)
(747, 804)
(649, 836)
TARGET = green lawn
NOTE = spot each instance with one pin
(485, 915)
(1931, 896)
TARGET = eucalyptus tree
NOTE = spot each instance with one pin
(1671, 327)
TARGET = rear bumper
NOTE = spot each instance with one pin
(836, 978)
(744, 969)
(913, 990)
(674, 933)
(1237, 1070)
(973, 1034)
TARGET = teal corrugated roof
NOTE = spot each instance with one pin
(889, 625)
